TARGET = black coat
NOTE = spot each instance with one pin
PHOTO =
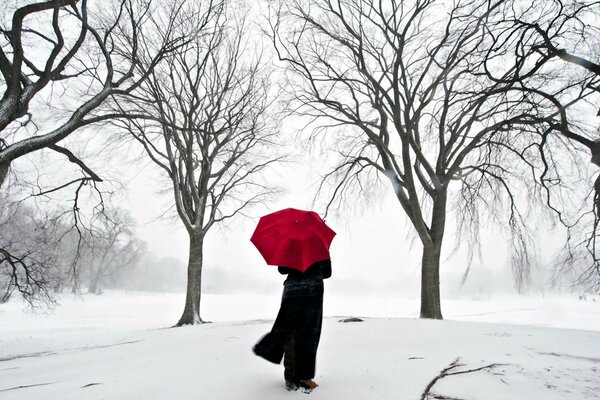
(318, 271)
(297, 328)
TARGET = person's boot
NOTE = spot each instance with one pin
(308, 385)
(291, 385)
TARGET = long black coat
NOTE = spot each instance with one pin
(297, 328)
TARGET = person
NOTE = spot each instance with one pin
(297, 329)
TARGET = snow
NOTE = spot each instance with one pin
(119, 346)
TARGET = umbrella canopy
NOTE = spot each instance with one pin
(293, 238)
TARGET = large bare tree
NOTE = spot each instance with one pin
(203, 118)
(59, 61)
(402, 86)
(559, 39)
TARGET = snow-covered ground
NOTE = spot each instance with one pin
(119, 346)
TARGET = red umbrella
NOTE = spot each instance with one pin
(293, 238)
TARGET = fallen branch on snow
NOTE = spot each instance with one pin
(448, 371)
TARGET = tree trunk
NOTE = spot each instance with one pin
(191, 312)
(430, 263)
(3, 172)
(430, 282)
(95, 277)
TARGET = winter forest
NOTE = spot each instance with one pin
(452, 145)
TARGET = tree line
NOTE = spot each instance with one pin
(474, 110)
(43, 255)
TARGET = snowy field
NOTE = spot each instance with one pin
(119, 346)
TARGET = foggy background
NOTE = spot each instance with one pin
(374, 252)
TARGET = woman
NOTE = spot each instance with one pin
(297, 328)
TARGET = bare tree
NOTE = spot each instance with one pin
(40, 251)
(112, 248)
(403, 88)
(29, 255)
(39, 254)
(207, 126)
(60, 60)
(560, 39)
